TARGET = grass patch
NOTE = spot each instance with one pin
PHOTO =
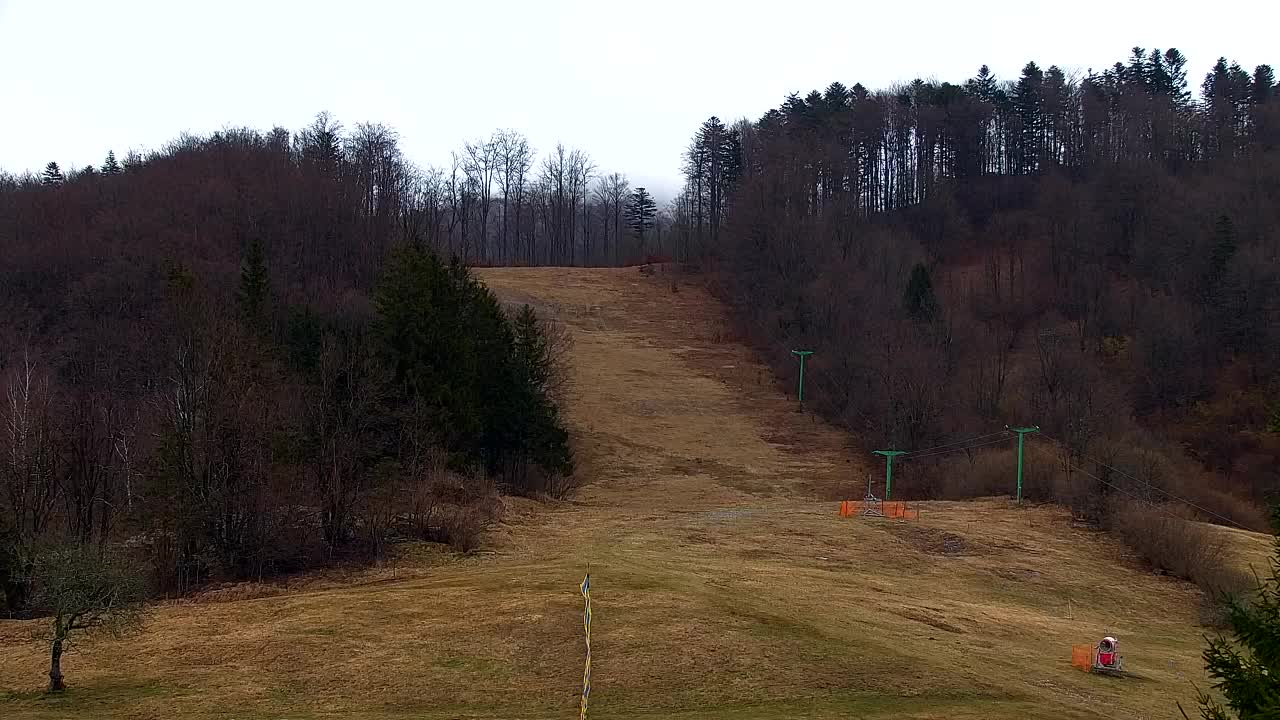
(467, 664)
(91, 699)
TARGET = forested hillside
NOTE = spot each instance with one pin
(1099, 255)
(251, 354)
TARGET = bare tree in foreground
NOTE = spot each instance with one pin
(85, 594)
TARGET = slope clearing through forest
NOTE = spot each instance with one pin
(724, 584)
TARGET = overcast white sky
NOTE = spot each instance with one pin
(627, 82)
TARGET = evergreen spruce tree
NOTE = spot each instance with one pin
(641, 210)
(110, 166)
(255, 281)
(1138, 72)
(731, 159)
(532, 351)
(459, 363)
(1264, 84)
(1175, 66)
(419, 317)
(1028, 101)
(544, 441)
(52, 175)
(985, 84)
(920, 302)
(1224, 248)
(1159, 82)
(1246, 668)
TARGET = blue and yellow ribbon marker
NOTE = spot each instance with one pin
(586, 625)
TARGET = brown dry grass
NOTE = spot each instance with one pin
(723, 585)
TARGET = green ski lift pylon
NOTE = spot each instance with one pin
(802, 354)
(889, 455)
(1022, 434)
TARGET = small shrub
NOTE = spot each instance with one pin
(454, 509)
(988, 472)
(981, 475)
(538, 484)
(462, 528)
(1179, 546)
(1084, 494)
(1221, 506)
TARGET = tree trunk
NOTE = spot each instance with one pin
(55, 669)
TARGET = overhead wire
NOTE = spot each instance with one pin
(960, 442)
(1147, 484)
(816, 372)
(1140, 499)
(915, 456)
(816, 378)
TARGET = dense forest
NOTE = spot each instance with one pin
(1098, 255)
(249, 354)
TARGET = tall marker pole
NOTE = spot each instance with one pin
(889, 455)
(1022, 434)
(802, 354)
(586, 625)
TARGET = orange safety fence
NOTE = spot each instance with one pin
(894, 510)
(1082, 657)
(899, 511)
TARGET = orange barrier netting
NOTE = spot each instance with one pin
(899, 511)
(1082, 657)
(894, 510)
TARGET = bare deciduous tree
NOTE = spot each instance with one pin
(29, 471)
(515, 157)
(85, 593)
(481, 164)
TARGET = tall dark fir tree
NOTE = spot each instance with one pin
(52, 175)
(641, 211)
(110, 166)
(255, 282)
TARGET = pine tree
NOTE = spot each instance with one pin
(476, 378)
(731, 159)
(1028, 101)
(532, 350)
(1159, 82)
(52, 175)
(1175, 64)
(255, 282)
(543, 439)
(1264, 82)
(1055, 115)
(1224, 248)
(641, 209)
(110, 166)
(985, 84)
(422, 315)
(920, 302)
(1138, 72)
(1246, 668)
(710, 142)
